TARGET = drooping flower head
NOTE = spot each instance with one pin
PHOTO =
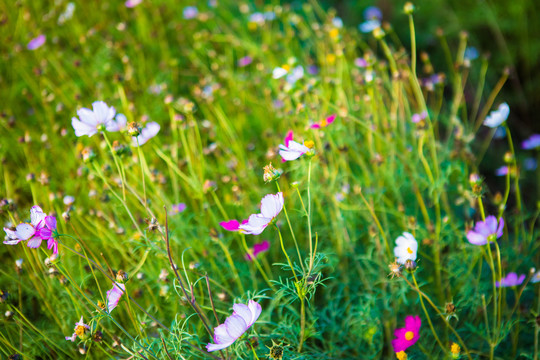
(100, 118)
(406, 248)
(512, 279)
(485, 231)
(36, 42)
(271, 206)
(243, 317)
(407, 336)
(257, 249)
(149, 131)
(497, 117)
(114, 295)
(79, 331)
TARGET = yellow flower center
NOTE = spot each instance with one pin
(324, 123)
(409, 335)
(409, 250)
(79, 330)
(455, 349)
(309, 143)
(334, 33)
(401, 355)
(286, 67)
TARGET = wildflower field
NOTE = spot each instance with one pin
(227, 180)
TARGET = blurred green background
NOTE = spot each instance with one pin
(508, 32)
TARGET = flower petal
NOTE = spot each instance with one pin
(236, 326)
(36, 215)
(25, 231)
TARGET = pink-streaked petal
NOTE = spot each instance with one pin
(244, 312)
(289, 137)
(260, 247)
(114, 295)
(222, 336)
(255, 309)
(255, 225)
(236, 326)
(315, 126)
(53, 244)
(72, 337)
(50, 222)
(491, 223)
(33, 243)
(231, 225)
(25, 231)
(216, 347)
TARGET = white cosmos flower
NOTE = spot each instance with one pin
(292, 150)
(271, 206)
(149, 131)
(92, 121)
(497, 117)
(279, 72)
(406, 248)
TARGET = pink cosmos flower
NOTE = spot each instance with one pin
(531, 143)
(257, 249)
(416, 118)
(36, 42)
(114, 295)
(232, 225)
(149, 131)
(408, 335)
(132, 3)
(293, 151)
(485, 230)
(245, 61)
(511, 279)
(92, 121)
(325, 122)
(235, 326)
(271, 206)
(41, 227)
(178, 208)
(80, 329)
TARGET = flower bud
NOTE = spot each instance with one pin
(410, 265)
(121, 276)
(88, 155)
(408, 8)
(508, 158)
(133, 129)
(455, 350)
(378, 33)
(270, 173)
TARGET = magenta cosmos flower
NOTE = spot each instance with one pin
(408, 335)
(485, 231)
(100, 118)
(235, 326)
(257, 249)
(232, 225)
(271, 206)
(36, 42)
(511, 279)
(291, 150)
(41, 227)
(324, 123)
(80, 331)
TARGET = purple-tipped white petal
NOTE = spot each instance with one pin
(35, 242)
(236, 326)
(244, 312)
(114, 295)
(255, 309)
(215, 347)
(12, 238)
(82, 129)
(255, 225)
(118, 124)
